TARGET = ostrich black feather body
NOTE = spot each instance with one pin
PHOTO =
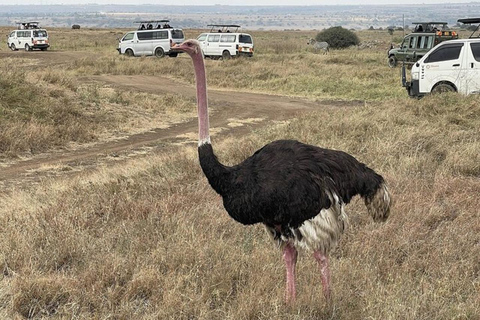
(287, 182)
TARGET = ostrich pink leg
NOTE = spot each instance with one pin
(290, 257)
(325, 272)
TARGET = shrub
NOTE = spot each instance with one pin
(338, 37)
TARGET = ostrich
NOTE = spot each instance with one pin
(297, 191)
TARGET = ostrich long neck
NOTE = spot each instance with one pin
(216, 173)
(202, 101)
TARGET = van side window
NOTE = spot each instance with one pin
(145, 35)
(128, 36)
(475, 50)
(213, 38)
(160, 34)
(227, 38)
(202, 37)
(244, 38)
(445, 53)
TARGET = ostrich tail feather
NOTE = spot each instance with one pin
(379, 203)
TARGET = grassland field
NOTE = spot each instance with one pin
(146, 238)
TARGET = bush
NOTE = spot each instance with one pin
(338, 37)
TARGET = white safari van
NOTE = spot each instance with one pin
(151, 38)
(224, 43)
(452, 65)
(28, 36)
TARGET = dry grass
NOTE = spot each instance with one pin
(47, 109)
(148, 239)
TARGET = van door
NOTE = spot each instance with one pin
(12, 37)
(203, 41)
(177, 36)
(212, 48)
(40, 39)
(161, 39)
(443, 64)
(227, 43)
(245, 44)
(473, 68)
(145, 43)
(24, 37)
(127, 42)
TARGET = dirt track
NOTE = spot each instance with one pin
(227, 105)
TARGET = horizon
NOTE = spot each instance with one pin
(233, 3)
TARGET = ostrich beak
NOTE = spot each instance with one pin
(186, 46)
(175, 47)
(179, 47)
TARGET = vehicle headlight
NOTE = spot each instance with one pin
(415, 75)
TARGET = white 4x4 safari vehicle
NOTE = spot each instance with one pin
(28, 36)
(153, 37)
(452, 65)
(225, 42)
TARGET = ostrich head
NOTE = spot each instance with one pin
(191, 46)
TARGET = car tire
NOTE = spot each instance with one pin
(226, 55)
(12, 47)
(129, 53)
(173, 54)
(443, 87)
(392, 61)
(27, 47)
(159, 53)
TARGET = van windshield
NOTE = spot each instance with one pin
(128, 36)
(40, 33)
(244, 38)
(177, 34)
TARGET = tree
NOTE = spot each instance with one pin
(338, 37)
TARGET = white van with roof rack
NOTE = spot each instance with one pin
(153, 38)
(451, 66)
(224, 41)
(28, 36)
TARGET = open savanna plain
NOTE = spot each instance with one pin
(105, 213)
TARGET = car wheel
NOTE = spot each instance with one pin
(12, 47)
(27, 47)
(226, 55)
(159, 53)
(129, 52)
(43, 49)
(173, 54)
(443, 87)
(392, 61)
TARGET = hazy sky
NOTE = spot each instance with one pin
(222, 2)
